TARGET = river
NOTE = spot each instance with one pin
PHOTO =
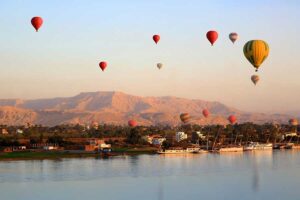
(249, 175)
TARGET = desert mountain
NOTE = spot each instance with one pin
(117, 108)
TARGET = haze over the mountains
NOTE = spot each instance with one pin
(118, 108)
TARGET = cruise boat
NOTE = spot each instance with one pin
(230, 149)
(258, 146)
(181, 150)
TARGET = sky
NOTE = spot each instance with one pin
(62, 58)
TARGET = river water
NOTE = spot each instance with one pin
(251, 175)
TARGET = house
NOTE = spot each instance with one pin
(200, 135)
(179, 136)
(6, 149)
(4, 131)
(45, 146)
(154, 139)
(158, 140)
(19, 131)
(196, 136)
(97, 145)
(19, 148)
(50, 147)
(147, 138)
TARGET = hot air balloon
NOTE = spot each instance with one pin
(256, 51)
(185, 117)
(205, 113)
(132, 123)
(293, 122)
(103, 65)
(37, 23)
(212, 36)
(232, 119)
(159, 65)
(156, 38)
(255, 79)
(233, 37)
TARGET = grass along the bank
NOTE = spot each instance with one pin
(135, 150)
(28, 155)
(42, 155)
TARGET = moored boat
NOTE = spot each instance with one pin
(179, 150)
(257, 146)
(230, 149)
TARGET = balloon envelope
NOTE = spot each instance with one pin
(159, 65)
(256, 52)
(103, 65)
(233, 37)
(156, 38)
(205, 113)
(212, 36)
(37, 23)
(232, 119)
(184, 117)
(293, 122)
(132, 123)
(255, 79)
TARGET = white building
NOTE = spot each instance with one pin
(19, 131)
(50, 147)
(200, 135)
(147, 139)
(180, 136)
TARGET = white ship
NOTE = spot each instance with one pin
(181, 150)
(258, 146)
(231, 149)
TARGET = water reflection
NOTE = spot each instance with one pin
(248, 175)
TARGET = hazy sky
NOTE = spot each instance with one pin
(62, 58)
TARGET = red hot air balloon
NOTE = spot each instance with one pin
(132, 123)
(212, 36)
(205, 113)
(103, 65)
(36, 22)
(156, 38)
(232, 119)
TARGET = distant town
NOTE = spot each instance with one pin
(35, 141)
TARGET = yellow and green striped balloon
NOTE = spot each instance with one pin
(185, 117)
(256, 51)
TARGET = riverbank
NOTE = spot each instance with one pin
(40, 155)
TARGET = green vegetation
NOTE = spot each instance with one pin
(126, 140)
(42, 155)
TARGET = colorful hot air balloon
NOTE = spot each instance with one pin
(212, 36)
(156, 38)
(256, 51)
(232, 119)
(205, 113)
(293, 122)
(132, 123)
(233, 37)
(255, 79)
(37, 23)
(159, 65)
(103, 65)
(185, 117)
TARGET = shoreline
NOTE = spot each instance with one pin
(53, 155)
(56, 155)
